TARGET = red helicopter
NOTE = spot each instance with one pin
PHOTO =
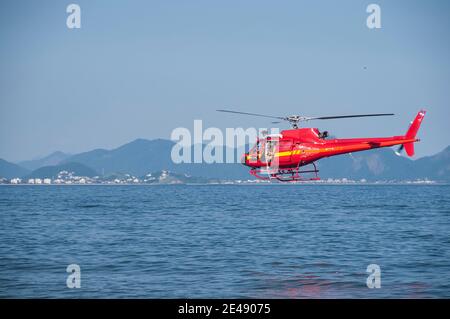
(280, 156)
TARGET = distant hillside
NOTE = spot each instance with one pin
(384, 164)
(138, 158)
(10, 170)
(52, 171)
(377, 164)
(54, 158)
(436, 166)
(141, 157)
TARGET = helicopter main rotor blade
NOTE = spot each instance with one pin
(346, 116)
(254, 114)
(295, 119)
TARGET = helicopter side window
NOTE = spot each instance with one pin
(268, 152)
(272, 147)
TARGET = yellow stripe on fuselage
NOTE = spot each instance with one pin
(304, 151)
(308, 151)
(347, 148)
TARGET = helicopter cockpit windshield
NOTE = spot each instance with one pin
(264, 150)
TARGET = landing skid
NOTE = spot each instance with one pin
(285, 174)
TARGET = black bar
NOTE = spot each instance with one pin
(223, 308)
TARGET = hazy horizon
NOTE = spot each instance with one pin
(140, 69)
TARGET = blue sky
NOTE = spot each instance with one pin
(139, 69)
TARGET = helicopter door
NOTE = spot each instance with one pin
(285, 152)
(268, 151)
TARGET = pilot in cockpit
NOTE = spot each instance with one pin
(323, 135)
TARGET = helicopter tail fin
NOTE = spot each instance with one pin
(412, 132)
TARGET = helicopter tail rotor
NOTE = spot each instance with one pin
(399, 150)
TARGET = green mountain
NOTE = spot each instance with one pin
(10, 170)
(436, 166)
(52, 171)
(54, 158)
(141, 157)
(384, 164)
